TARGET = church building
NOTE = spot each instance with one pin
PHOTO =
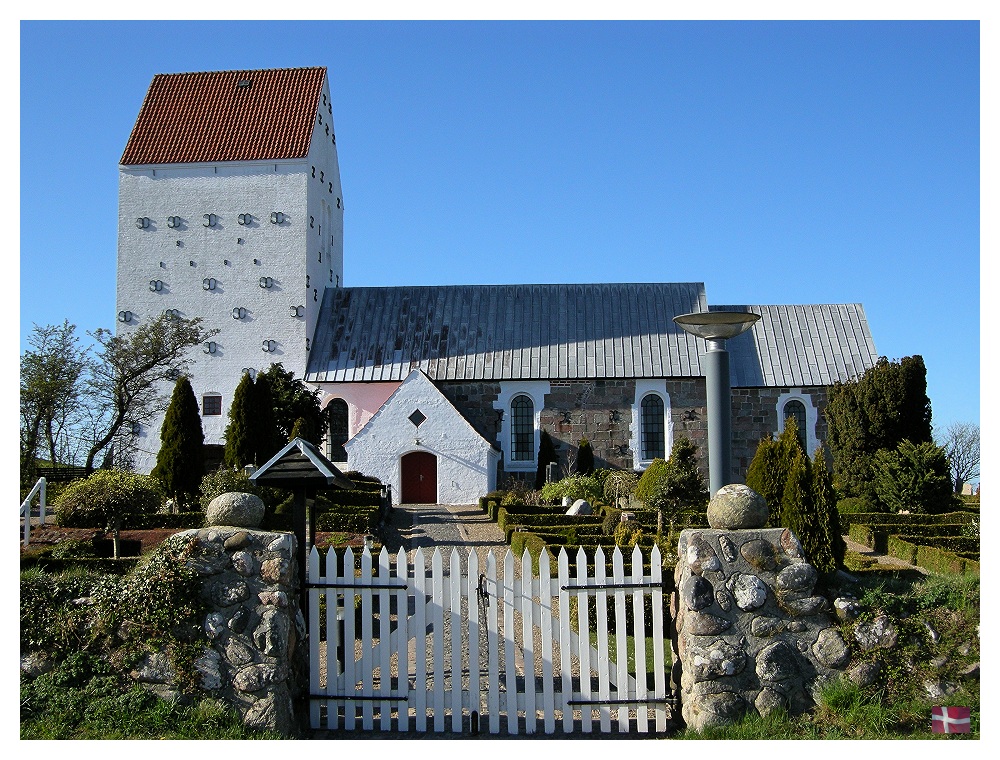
(231, 209)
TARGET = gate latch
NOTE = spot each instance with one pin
(481, 590)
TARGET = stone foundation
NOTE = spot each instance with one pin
(750, 632)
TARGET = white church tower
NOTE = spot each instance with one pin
(230, 209)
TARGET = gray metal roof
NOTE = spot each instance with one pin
(552, 332)
(795, 346)
(506, 332)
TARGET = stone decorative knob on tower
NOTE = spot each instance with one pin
(750, 634)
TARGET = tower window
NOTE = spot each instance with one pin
(211, 405)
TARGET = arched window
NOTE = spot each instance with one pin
(654, 440)
(522, 429)
(797, 411)
(337, 413)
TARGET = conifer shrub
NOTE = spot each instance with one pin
(105, 497)
(767, 473)
(800, 496)
(239, 449)
(546, 455)
(914, 478)
(585, 458)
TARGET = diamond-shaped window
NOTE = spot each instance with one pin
(417, 418)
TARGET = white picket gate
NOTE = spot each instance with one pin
(454, 649)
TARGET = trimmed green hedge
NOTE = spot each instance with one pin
(942, 561)
(344, 519)
(932, 558)
(876, 536)
(884, 518)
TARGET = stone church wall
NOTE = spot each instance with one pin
(601, 411)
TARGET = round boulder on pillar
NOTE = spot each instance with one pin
(737, 507)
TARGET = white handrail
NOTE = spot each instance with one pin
(26, 508)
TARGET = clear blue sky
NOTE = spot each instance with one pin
(777, 162)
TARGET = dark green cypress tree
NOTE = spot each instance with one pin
(546, 454)
(180, 462)
(825, 503)
(585, 458)
(239, 435)
(796, 512)
(268, 439)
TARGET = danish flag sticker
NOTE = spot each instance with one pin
(950, 720)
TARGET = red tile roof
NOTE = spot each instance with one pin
(215, 116)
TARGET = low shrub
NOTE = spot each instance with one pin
(105, 496)
(227, 480)
(573, 487)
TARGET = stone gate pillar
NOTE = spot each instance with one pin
(750, 632)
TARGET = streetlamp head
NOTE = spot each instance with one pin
(716, 325)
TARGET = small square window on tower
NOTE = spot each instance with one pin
(211, 405)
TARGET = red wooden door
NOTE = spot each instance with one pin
(419, 478)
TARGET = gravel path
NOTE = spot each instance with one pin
(882, 559)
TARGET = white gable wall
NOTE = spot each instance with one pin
(466, 462)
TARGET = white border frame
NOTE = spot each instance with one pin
(812, 416)
(536, 390)
(642, 389)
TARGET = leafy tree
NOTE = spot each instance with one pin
(961, 443)
(106, 499)
(914, 478)
(239, 446)
(546, 455)
(180, 462)
(131, 368)
(293, 400)
(886, 405)
(52, 373)
(585, 458)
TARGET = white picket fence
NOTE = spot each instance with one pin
(475, 649)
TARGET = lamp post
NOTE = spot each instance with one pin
(716, 327)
